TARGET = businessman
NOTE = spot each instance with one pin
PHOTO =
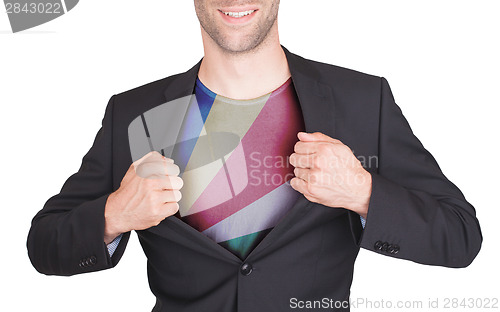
(253, 179)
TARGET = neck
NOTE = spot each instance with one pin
(244, 75)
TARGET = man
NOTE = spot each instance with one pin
(233, 241)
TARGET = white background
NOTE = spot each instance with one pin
(441, 59)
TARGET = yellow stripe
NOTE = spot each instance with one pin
(223, 117)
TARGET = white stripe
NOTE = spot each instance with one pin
(262, 214)
(63, 3)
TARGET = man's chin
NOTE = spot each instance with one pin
(239, 46)
(238, 50)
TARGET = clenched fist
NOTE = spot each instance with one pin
(148, 193)
(327, 172)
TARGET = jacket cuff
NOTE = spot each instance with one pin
(381, 214)
(90, 252)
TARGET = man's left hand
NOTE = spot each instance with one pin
(327, 172)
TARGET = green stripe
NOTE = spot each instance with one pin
(241, 246)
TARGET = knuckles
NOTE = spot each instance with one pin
(172, 208)
(292, 159)
(177, 182)
(314, 176)
(177, 195)
(325, 149)
(311, 189)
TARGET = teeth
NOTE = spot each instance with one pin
(239, 14)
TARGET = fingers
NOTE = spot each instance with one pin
(302, 147)
(148, 155)
(157, 169)
(311, 176)
(152, 156)
(170, 196)
(165, 183)
(298, 185)
(303, 161)
(301, 186)
(171, 183)
(312, 147)
(316, 137)
(171, 208)
(302, 173)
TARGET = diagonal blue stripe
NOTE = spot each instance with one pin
(205, 99)
(196, 117)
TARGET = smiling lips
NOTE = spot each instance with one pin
(239, 14)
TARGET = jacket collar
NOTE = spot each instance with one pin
(315, 96)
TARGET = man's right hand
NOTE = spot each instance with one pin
(148, 193)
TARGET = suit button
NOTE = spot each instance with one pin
(390, 249)
(384, 246)
(396, 249)
(83, 263)
(378, 245)
(246, 269)
(93, 260)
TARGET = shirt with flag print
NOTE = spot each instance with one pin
(236, 172)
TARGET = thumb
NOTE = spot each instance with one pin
(152, 156)
(316, 137)
(148, 156)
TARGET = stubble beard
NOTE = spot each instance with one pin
(244, 45)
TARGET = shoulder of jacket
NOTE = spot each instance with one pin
(338, 74)
(154, 88)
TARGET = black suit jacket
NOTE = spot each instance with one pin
(415, 212)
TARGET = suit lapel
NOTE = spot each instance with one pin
(315, 98)
(182, 84)
(318, 109)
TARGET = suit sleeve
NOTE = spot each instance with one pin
(415, 212)
(67, 236)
